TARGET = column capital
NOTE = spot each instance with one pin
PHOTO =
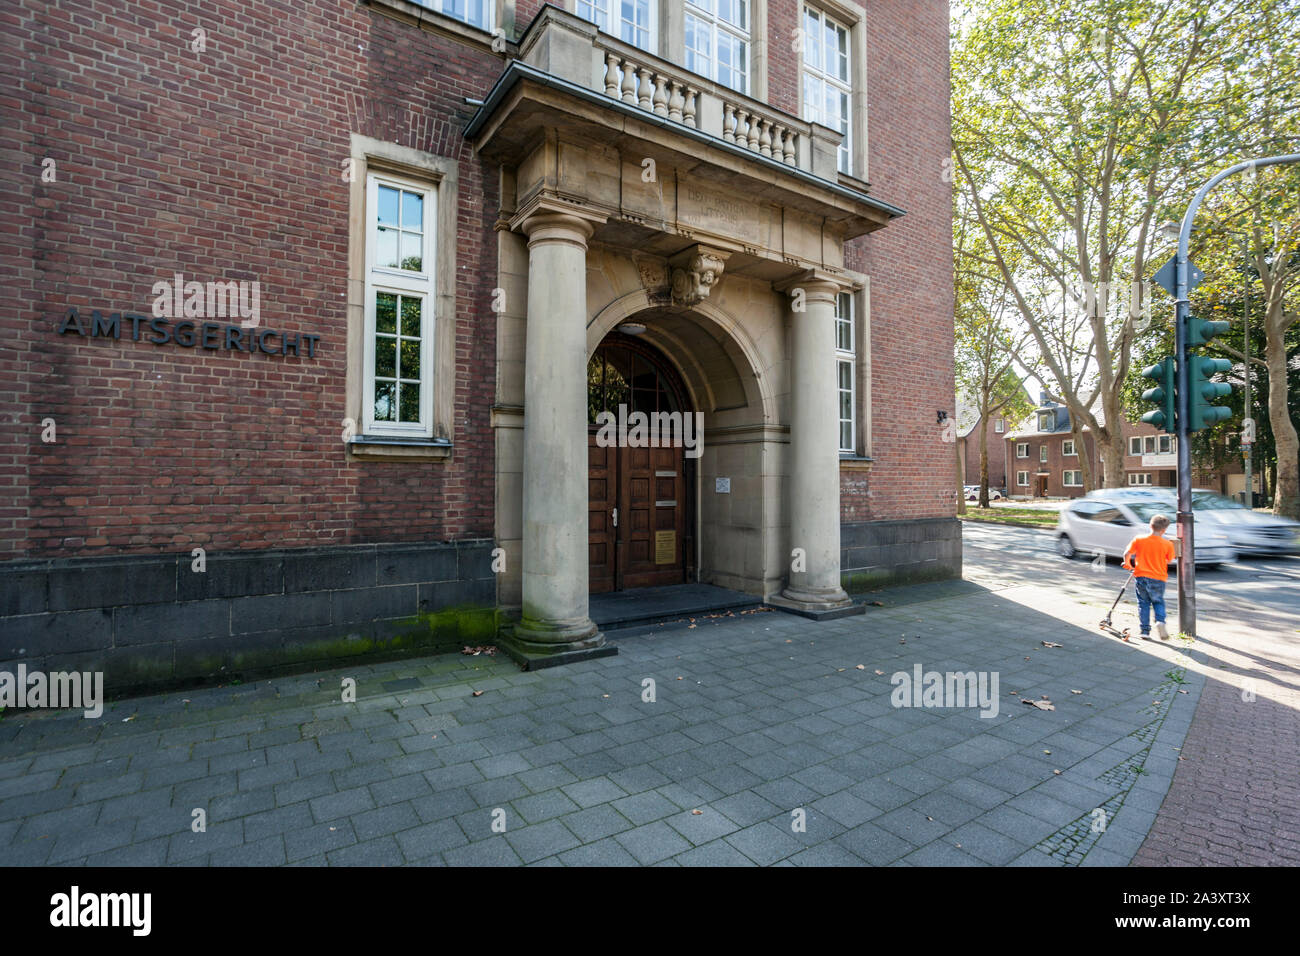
(817, 284)
(546, 219)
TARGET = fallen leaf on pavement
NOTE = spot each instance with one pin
(861, 667)
(1040, 704)
(1076, 692)
(1051, 644)
(478, 693)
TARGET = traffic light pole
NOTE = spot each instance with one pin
(1186, 556)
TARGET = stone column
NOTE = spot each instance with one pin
(555, 617)
(814, 483)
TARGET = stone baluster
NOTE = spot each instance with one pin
(688, 111)
(629, 82)
(752, 133)
(788, 147)
(728, 123)
(765, 139)
(675, 103)
(661, 95)
(646, 89)
(611, 75)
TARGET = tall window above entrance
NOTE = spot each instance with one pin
(717, 41)
(827, 78)
(632, 21)
(618, 375)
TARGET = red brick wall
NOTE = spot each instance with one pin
(910, 265)
(997, 450)
(221, 164)
(783, 18)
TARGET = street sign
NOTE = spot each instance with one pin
(1167, 276)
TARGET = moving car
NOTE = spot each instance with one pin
(1106, 521)
(1250, 532)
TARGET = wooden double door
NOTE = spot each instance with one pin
(637, 521)
(639, 498)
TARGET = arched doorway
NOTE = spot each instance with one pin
(641, 498)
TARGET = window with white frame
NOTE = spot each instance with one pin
(398, 391)
(477, 13)
(1139, 478)
(1022, 449)
(1067, 448)
(828, 78)
(1022, 479)
(717, 41)
(1149, 445)
(1000, 425)
(1046, 421)
(1042, 453)
(1135, 445)
(1165, 443)
(1072, 479)
(846, 371)
(632, 21)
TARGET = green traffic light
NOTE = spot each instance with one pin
(1202, 413)
(1162, 395)
(1200, 331)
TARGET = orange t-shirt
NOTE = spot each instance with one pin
(1153, 552)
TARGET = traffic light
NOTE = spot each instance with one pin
(1200, 331)
(1163, 395)
(1202, 413)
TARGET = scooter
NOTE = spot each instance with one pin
(1105, 622)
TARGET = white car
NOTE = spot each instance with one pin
(1249, 531)
(972, 493)
(1104, 522)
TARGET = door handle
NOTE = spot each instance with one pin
(615, 517)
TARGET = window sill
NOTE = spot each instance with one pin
(392, 448)
(434, 21)
(856, 462)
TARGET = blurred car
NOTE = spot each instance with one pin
(1105, 521)
(1250, 532)
(972, 493)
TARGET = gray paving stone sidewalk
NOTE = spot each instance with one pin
(758, 721)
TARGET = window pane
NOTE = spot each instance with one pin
(385, 357)
(413, 251)
(386, 312)
(411, 310)
(842, 67)
(410, 403)
(410, 359)
(385, 404)
(812, 53)
(846, 436)
(412, 211)
(388, 205)
(386, 248)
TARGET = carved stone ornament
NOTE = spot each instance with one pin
(695, 272)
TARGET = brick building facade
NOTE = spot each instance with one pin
(284, 275)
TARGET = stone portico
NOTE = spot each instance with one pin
(631, 190)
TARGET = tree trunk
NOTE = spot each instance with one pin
(1286, 495)
(961, 476)
(984, 465)
(1112, 456)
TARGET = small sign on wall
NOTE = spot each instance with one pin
(722, 486)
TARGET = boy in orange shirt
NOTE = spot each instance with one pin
(1151, 555)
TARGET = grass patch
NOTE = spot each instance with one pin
(1018, 516)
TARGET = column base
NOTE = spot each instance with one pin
(817, 605)
(533, 645)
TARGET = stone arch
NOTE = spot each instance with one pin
(718, 360)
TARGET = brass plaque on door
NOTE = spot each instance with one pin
(665, 547)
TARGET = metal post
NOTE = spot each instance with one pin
(1245, 324)
(1186, 559)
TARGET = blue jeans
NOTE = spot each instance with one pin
(1151, 596)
